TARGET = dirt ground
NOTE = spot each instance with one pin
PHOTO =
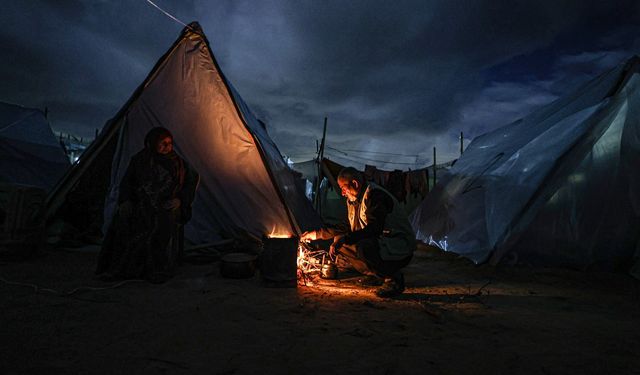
(455, 318)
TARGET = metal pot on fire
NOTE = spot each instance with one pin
(329, 271)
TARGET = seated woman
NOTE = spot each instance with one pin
(145, 238)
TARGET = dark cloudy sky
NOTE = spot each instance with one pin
(395, 77)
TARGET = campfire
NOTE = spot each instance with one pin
(312, 262)
(309, 262)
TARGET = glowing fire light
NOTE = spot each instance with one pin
(279, 234)
(309, 262)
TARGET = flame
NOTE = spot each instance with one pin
(309, 263)
(303, 263)
(302, 258)
(279, 233)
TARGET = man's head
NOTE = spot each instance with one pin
(351, 183)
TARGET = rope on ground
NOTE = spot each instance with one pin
(38, 289)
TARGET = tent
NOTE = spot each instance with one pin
(245, 185)
(329, 202)
(30, 154)
(559, 187)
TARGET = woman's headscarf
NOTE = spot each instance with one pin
(171, 161)
(154, 136)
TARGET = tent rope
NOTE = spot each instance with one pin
(169, 15)
(17, 121)
(38, 289)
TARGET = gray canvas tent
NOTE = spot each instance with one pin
(559, 187)
(245, 185)
(30, 154)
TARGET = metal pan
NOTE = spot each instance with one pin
(238, 265)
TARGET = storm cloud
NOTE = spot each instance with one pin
(392, 77)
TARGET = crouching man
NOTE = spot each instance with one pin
(380, 240)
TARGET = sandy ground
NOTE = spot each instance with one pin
(455, 318)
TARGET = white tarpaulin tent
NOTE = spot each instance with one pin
(558, 187)
(30, 154)
(245, 185)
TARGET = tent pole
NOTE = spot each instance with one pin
(461, 143)
(324, 135)
(434, 166)
(316, 200)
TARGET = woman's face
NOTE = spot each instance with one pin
(164, 146)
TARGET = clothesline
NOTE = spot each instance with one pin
(372, 152)
(352, 157)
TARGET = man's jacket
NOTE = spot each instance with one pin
(376, 214)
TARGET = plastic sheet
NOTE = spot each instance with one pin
(30, 153)
(558, 187)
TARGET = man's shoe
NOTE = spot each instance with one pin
(392, 287)
(370, 280)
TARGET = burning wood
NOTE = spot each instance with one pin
(310, 262)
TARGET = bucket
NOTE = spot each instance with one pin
(278, 262)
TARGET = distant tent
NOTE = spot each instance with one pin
(559, 187)
(245, 185)
(30, 154)
(329, 203)
(413, 185)
(308, 169)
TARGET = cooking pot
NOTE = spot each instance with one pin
(238, 265)
(329, 271)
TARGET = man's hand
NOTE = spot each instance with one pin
(309, 236)
(171, 204)
(338, 241)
